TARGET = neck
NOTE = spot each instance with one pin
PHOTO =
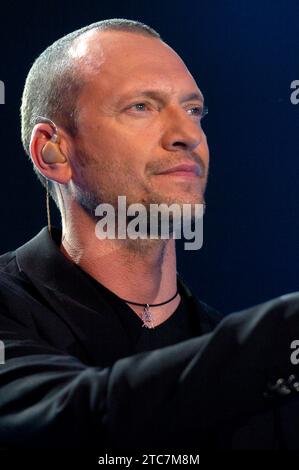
(143, 271)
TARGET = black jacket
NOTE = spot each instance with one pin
(71, 380)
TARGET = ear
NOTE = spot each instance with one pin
(49, 157)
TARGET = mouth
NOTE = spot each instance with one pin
(180, 174)
(184, 170)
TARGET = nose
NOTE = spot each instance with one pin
(182, 132)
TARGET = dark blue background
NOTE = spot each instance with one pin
(244, 56)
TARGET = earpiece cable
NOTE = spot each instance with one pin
(48, 205)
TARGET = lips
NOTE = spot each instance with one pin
(183, 168)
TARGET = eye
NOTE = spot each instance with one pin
(139, 106)
(198, 111)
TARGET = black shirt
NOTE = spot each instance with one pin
(178, 327)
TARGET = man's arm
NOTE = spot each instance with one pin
(176, 396)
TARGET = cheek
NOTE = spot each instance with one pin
(207, 155)
(116, 144)
(119, 149)
(205, 149)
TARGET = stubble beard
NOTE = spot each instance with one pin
(90, 197)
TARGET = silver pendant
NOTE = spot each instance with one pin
(147, 317)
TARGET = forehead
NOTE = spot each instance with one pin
(125, 61)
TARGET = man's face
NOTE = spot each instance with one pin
(139, 114)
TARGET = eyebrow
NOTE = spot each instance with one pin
(162, 96)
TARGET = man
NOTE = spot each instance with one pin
(104, 343)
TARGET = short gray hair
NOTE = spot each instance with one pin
(53, 85)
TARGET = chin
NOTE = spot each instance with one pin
(188, 199)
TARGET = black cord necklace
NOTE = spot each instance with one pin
(146, 315)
